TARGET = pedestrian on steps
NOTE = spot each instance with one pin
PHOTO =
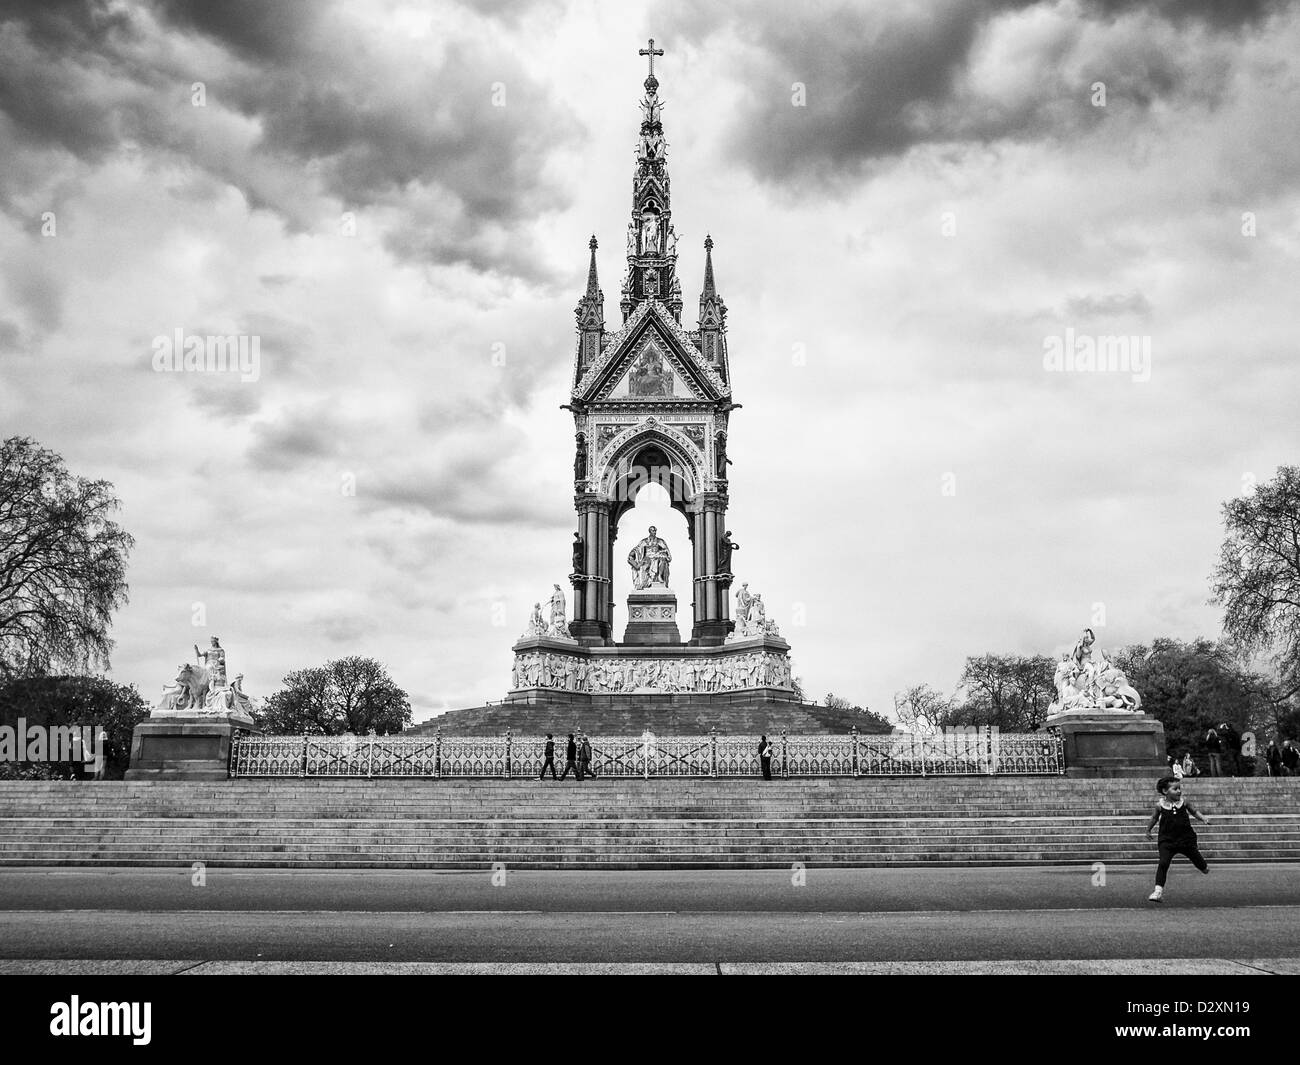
(584, 757)
(765, 757)
(571, 760)
(550, 758)
(1176, 833)
(1214, 750)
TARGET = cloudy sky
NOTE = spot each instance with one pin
(909, 202)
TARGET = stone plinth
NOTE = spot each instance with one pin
(652, 619)
(1101, 744)
(184, 746)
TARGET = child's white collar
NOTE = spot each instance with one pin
(1172, 805)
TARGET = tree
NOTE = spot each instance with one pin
(921, 701)
(1257, 579)
(871, 721)
(1011, 692)
(351, 694)
(76, 701)
(62, 563)
(1191, 687)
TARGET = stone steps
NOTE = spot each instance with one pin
(627, 824)
(730, 714)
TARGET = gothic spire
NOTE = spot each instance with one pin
(593, 287)
(590, 313)
(651, 239)
(713, 318)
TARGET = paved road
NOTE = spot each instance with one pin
(1240, 912)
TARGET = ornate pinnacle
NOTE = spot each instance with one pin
(709, 290)
(593, 287)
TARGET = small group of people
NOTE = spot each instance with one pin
(577, 755)
(1183, 767)
(1282, 761)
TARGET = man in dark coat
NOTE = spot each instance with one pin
(572, 763)
(1290, 759)
(1231, 748)
(765, 757)
(550, 758)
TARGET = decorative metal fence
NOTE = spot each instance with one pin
(968, 752)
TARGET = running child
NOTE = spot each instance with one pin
(1176, 834)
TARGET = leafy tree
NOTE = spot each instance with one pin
(62, 563)
(1011, 692)
(351, 694)
(1191, 687)
(1257, 579)
(75, 701)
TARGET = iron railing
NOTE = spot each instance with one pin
(969, 752)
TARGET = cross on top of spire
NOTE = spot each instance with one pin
(652, 51)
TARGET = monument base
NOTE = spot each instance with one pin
(652, 619)
(184, 746)
(1099, 744)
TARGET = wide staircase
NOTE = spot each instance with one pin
(629, 824)
(671, 715)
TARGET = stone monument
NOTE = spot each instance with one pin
(1097, 712)
(651, 403)
(187, 735)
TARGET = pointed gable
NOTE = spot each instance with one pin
(650, 359)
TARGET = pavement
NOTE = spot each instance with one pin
(1242, 919)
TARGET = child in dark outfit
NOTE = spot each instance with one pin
(1176, 834)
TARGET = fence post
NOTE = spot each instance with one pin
(713, 751)
(370, 758)
(302, 772)
(853, 738)
(509, 771)
(785, 762)
(437, 753)
(922, 741)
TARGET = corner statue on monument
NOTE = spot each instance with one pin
(651, 400)
(188, 734)
(1098, 714)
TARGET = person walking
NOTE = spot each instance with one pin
(1175, 767)
(584, 757)
(1176, 833)
(1273, 756)
(550, 758)
(1290, 759)
(765, 757)
(1214, 749)
(571, 760)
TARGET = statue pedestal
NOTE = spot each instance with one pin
(183, 746)
(652, 618)
(1120, 744)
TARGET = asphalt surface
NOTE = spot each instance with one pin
(1235, 916)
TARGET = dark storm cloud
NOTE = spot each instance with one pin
(305, 434)
(1222, 14)
(372, 120)
(10, 336)
(255, 29)
(880, 80)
